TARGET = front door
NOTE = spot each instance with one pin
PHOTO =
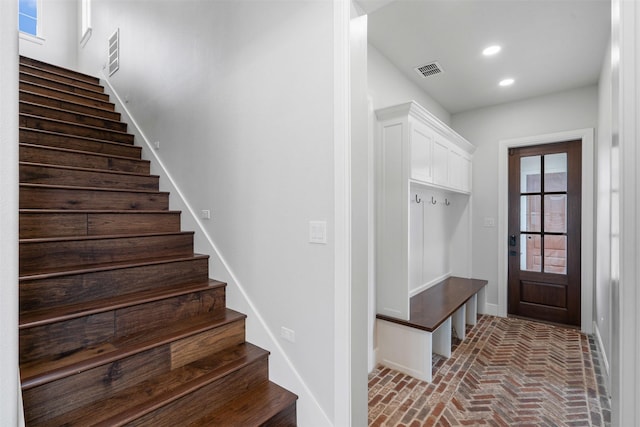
(544, 232)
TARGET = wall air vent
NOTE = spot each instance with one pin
(428, 70)
(114, 52)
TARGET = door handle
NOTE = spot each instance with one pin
(512, 240)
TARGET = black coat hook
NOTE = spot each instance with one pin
(417, 199)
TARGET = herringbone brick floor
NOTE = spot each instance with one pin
(507, 372)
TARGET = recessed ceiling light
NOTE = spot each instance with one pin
(506, 82)
(491, 50)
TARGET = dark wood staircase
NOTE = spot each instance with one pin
(119, 321)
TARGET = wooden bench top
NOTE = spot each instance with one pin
(431, 307)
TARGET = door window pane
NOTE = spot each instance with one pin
(530, 213)
(555, 213)
(555, 254)
(530, 171)
(530, 252)
(555, 172)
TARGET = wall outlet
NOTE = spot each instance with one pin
(318, 232)
(156, 145)
(489, 222)
(205, 214)
(288, 334)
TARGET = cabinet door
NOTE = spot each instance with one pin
(455, 170)
(440, 162)
(420, 140)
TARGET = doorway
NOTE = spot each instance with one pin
(544, 223)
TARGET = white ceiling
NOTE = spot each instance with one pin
(547, 45)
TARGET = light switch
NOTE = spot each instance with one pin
(318, 232)
(205, 214)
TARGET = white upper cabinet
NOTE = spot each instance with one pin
(435, 154)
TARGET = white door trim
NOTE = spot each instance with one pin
(587, 252)
(342, 213)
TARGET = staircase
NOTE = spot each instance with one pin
(119, 321)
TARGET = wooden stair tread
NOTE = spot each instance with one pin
(79, 137)
(101, 237)
(133, 402)
(74, 105)
(97, 211)
(61, 79)
(63, 94)
(75, 125)
(252, 408)
(44, 66)
(53, 75)
(55, 110)
(73, 311)
(44, 371)
(87, 153)
(109, 266)
(106, 189)
(73, 168)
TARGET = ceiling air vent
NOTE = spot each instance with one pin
(114, 52)
(430, 69)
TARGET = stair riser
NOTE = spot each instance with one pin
(78, 288)
(69, 336)
(27, 69)
(40, 225)
(72, 117)
(33, 174)
(58, 70)
(50, 156)
(42, 256)
(30, 136)
(65, 96)
(69, 106)
(286, 418)
(67, 87)
(59, 198)
(69, 128)
(53, 399)
(189, 408)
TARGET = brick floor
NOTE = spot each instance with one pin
(507, 372)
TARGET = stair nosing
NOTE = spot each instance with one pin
(230, 316)
(64, 135)
(78, 310)
(78, 270)
(48, 107)
(71, 187)
(103, 237)
(70, 102)
(94, 170)
(98, 211)
(64, 122)
(64, 92)
(26, 73)
(90, 153)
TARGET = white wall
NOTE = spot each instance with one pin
(59, 38)
(602, 312)
(9, 387)
(240, 96)
(574, 109)
(389, 86)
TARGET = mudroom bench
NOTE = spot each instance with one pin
(407, 345)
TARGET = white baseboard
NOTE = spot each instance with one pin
(601, 352)
(490, 309)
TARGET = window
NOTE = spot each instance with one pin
(28, 16)
(85, 31)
